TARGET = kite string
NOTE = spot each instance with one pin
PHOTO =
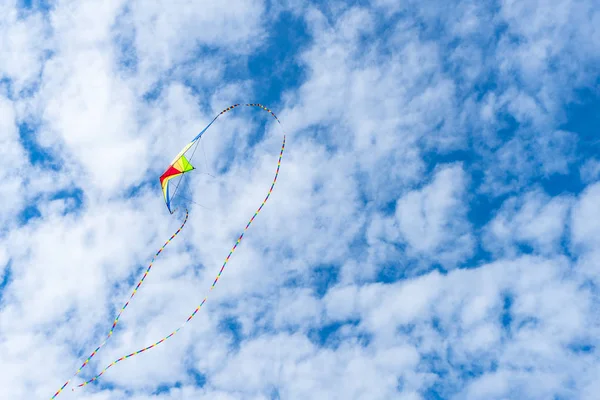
(211, 288)
(116, 321)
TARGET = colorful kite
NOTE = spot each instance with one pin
(179, 166)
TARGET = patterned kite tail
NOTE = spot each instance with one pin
(211, 288)
(116, 321)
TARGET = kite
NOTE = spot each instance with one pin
(178, 167)
(181, 164)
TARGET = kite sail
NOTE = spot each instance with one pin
(178, 167)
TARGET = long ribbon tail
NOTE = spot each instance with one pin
(116, 321)
(214, 283)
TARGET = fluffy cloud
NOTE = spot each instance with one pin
(533, 219)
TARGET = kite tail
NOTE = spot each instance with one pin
(213, 285)
(116, 321)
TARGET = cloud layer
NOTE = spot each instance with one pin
(433, 232)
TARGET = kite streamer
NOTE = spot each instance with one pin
(116, 321)
(179, 166)
(211, 288)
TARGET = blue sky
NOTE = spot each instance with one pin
(433, 233)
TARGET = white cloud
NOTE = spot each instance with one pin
(533, 219)
(429, 217)
(11, 158)
(590, 171)
(22, 46)
(168, 34)
(432, 221)
(585, 231)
